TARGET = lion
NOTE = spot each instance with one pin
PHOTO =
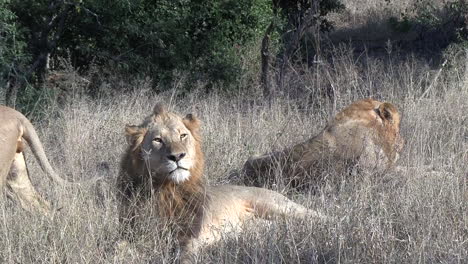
(15, 129)
(164, 164)
(364, 137)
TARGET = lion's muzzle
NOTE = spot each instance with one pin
(176, 156)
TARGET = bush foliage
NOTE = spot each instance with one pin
(148, 37)
(142, 37)
(12, 45)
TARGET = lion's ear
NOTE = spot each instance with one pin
(135, 135)
(385, 111)
(192, 123)
(159, 109)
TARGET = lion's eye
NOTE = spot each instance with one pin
(182, 136)
(157, 140)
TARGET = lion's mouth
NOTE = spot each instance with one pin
(178, 168)
(179, 175)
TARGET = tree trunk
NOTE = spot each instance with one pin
(292, 39)
(265, 75)
(11, 93)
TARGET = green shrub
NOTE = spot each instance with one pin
(156, 38)
(160, 39)
(12, 45)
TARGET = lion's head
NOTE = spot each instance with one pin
(383, 119)
(167, 146)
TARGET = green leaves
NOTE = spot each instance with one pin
(157, 38)
(12, 43)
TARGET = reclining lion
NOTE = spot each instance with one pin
(364, 136)
(164, 165)
(15, 128)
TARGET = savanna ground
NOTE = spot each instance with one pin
(416, 216)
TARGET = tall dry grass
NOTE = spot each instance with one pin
(416, 216)
(413, 216)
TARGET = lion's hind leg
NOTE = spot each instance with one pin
(20, 185)
(259, 170)
(268, 204)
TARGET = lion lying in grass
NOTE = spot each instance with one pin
(164, 164)
(364, 136)
(15, 128)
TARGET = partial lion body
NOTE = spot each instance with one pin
(15, 128)
(229, 207)
(364, 135)
(200, 213)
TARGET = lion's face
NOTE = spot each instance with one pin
(167, 145)
(390, 118)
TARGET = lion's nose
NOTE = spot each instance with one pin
(176, 157)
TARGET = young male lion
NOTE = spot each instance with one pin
(164, 164)
(15, 128)
(364, 136)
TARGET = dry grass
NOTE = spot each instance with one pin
(417, 216)
(414, 216)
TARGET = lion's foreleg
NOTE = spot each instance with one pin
(127, 217)
(188, 251)
(19, 183)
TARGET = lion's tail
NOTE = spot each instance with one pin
(30, 135)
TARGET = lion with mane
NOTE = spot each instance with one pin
(15, 129)
(364, 136)
(164, 165)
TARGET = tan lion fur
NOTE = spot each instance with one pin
(199, 213)
(15, 128)
(365, 136)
